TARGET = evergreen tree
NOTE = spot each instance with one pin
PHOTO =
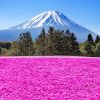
(66, 50)
(90, 39)
(58, 42)
(15, 49)
(41, 43)
(89, 46)
(97, 51)
(55, 42)
(74, 45)
(97, 40)
(0, 51)
(50, 40)
(5, 45)
(88, 49)
(26, 45)
(8, 45)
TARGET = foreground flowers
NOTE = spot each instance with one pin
(49, 79)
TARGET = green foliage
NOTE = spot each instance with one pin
(0, 51)
(54, 39)
(88, 49)
(97, 50)
(5, 45)
(74, 45)
(4, 48)
(89, 46)
(53, 42)
(24, 45)
(51, 39)
(41, 43)
(97, 40)
(57, 42)
(90, 39)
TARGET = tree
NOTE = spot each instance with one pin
(25, 43)
(66, 49)
(14, 50)
(74, 45)
(97, 51)
(58, 42)
(90, 39)
(97, 40)
(5, 45)
(88, 49)
(89, 46)
(8, 45)
(55, 42)
(50, 40)
(41, 43)
(0, 51)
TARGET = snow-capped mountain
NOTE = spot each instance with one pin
(48, 18)
(45, 20)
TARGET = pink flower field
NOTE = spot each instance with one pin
(50, 78)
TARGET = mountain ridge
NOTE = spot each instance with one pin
(54, 19)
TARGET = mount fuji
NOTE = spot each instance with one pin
(46, 20)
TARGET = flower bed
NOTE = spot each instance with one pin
(50, 78)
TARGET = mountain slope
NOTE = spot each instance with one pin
(49, 18)
(45, 20)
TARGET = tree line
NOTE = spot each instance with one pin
(53, 42)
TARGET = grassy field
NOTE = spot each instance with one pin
(49, 78)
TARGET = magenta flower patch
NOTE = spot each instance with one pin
(49, 79)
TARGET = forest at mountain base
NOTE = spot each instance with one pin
(51, 43)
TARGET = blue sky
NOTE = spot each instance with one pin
(84, 12)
